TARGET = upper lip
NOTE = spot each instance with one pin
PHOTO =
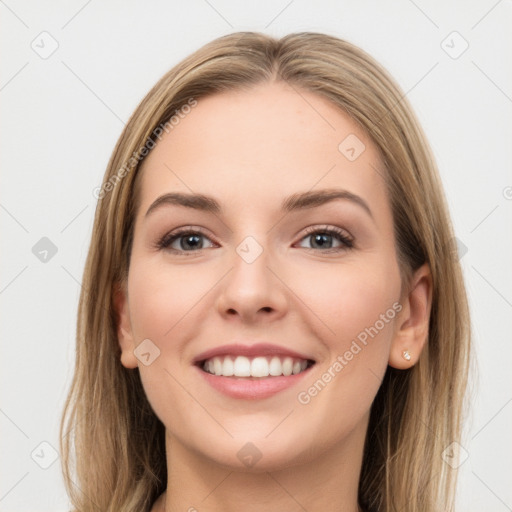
(255, 350)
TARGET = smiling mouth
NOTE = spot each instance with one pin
(254, 367)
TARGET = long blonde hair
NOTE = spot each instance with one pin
(112, 443)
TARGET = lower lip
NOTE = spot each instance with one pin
(251, 388)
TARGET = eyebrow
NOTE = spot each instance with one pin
(298, 201)
(195, 201)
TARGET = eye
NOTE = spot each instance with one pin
(326, 239)
(184, 240)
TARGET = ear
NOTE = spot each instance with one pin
(124, 327)
(413, 321)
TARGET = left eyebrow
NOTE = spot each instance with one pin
(319, 197)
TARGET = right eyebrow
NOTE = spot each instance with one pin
(196, 201)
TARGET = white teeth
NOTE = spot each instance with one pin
(217, 365)
(287, 366)
(275, 367)
(228, 368)
(259, 367)
(241, 366)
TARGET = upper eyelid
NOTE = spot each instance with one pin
(327, 228)
(307, 230)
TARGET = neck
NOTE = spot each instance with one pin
(328, 482)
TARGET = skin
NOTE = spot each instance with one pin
(250, 150)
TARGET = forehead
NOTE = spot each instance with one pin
(255, 146)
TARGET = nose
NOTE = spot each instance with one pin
(252, 291)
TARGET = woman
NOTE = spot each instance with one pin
(272, 316)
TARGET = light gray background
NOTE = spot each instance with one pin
(61, 116)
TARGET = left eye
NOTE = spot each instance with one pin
(325, 238)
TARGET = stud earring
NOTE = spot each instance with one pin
(406, 355)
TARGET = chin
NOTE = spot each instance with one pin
(260, 454)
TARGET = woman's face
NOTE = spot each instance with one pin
(289, 264)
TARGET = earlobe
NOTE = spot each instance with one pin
(411, 333)
(124, 328)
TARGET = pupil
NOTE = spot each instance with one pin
(195, 242)
(322, 239)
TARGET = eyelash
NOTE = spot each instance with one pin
(348, 242)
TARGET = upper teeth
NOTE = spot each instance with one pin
(241, 366)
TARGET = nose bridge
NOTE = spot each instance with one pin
(250, 273)
(250, 288)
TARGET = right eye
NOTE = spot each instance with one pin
(184, 240)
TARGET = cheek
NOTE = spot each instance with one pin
(161, 301)
(358, 307)
(167, 302)
(350, 299)
(162, 296)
